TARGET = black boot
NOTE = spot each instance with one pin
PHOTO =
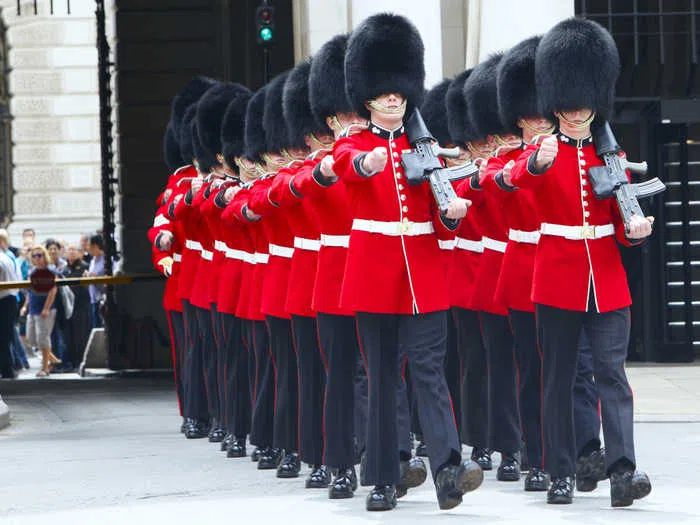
(269, 458)
(344, 485)
(319, 478)
(183, 426)
(537, 480)
(217, 432)
(255, 456)
(590, 469)
(509, 469)
(363, 470)
(290, 465)
(413, 473)
(483, 457)
(625, 487)
(561, 492)
(453, 481)
(236, 449)
(197, 429)
(421, 450)
(381, 497)
(226, 442)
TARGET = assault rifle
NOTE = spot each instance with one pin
(423, 163)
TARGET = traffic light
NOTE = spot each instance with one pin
(265, 22)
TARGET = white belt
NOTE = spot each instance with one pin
(177, 257)
(578, 233)
(447, 245)
(220, 246)
(193, 245)
(493, 244)
(281, 251)
(261, 258)
(393, 229)
(524, 237)
(338, 241)
(312, 245)
(469, 245)
(240, 255)
(207, 255)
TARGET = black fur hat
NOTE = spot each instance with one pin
(254, 131)
(233, 127)
(210, 113)
(186, 145)
(190, 94)
(434, 111)
(385, 54)
(327, 80)
(171, 149)
(481, 94)
(458, 123)
(298, 116)
(205, 158)
(276, 136)
(517, 96)
(576, 66)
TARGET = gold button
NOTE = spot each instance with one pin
(395, 154)
(583, 182)
(585, 203)
(398, 175)
(584, 193)
(397, 164)
(403, 197)
(393, 144)
(580, 153)
(582, 162)
(405, 219)
(587, 214)
(400, 186)
(405, 209)
(583, 172)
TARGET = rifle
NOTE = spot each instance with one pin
(611, 180)
(423, 163)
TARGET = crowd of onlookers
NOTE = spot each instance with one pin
(54, 324)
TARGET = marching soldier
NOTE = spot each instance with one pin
(388, 280)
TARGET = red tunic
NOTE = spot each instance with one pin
(161, 223)
(567, 269)
(465, 261)
(393, 271)
(201, 286)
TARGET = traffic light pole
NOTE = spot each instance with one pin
(266, 65)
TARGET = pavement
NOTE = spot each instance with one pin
(107, 451)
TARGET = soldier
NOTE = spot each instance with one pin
(579, 281)
(390, 282)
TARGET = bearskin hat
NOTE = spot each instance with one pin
(298, 116)
(434, 111)
(205, 158)
(327, 80)
(481, 93)
(190, 94)
(254, 131)
(576, 66)
(276, 136)
(171, 149)
(384, 55)
(186, 146)
(458, 123)
(233, 127)
(210, 112)
(517, 96)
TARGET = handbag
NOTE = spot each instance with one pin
(67, 300)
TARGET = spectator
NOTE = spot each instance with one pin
(25, 266)
(85, 247)
(18, 352)
(8, 311)
(42, 314)
(29, 236)
(80, 322)
(59, 339)
(58, 262)
(97, 269)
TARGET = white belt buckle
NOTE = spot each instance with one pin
(405, 228)
(588, 232)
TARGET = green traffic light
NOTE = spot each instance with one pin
(266, 34)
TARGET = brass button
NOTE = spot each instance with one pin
(395, 154)
(397, 164)
(584, 193)
(400, 186)
(585, 203)
(403, 197)
(398, 175)
(584, 182)
(405, 209)
(587, 213)
(583, 172)
(582, 162)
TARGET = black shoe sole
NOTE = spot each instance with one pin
(414, 478)
(470, 480)
(283, 474)
(231, 454)
(536, 486)
(559, 500)
(340, 494)
(586, 484)
(381, 508)
(638, 491)
(508, 476)
(195, 436)
(264, 465)
(484, 464)
(317, 484)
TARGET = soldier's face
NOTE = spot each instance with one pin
(390, 100)
(578, 116)
(539, 125)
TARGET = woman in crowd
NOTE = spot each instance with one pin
(79, 324)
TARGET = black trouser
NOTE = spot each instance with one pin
(453, 371)
(221, 355)
(285, 428)
(177, 340)
(236, 400)
(474, 398)
(257, 340)
(8, 309)
(209, 359)
(608, 333)
(423, 339)
(312, 387)
(195, 399)
(504, 421)
(529, 363)
(586, 415)
(361, 388)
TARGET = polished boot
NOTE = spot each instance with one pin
(319, 478)
(381, 497)
(197, 429)
(483, 457)
(226, 442)
(453, 481)
(421, 450)
(255, 456)
(509, 469)
(344, 485)
(183, 426)
(590, 470)
(537, 480)
(289, 466)
(561, 492)
(217, 432)
(236, 449)
(625, 487)
(269, 458)
(412, 474)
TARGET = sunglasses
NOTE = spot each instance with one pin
(37, 255)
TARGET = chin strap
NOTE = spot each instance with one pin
(523, 123)
(582, 125)
(380, 108)
(321, 144)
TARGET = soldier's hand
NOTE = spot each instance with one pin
(375, 160)
(166, 264)
(230, 193)
(482, 169)
(327, 167)
(165, 241)
(639, 227)
(457, 209)
(547, 153)
(197, 183)
(217, 183)
(507, 173)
